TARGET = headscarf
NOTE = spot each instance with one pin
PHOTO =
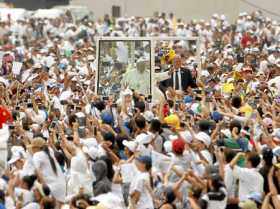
(102, 184)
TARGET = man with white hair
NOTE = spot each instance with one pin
(138, 78)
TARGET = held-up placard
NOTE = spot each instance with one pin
(16, 68)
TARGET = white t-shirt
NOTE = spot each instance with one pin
(230, 181)
(27, 196)
(56, 182)
(40, 117)
(80, 175)
(139, 185)
(32, 205)
(250, 180)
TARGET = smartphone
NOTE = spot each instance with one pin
(177, 106)
(198, 91)
(11, 127)
(105, 98)
(114, 105)
(53, 125)
(95, 131)
(29, 105)
(149, 99)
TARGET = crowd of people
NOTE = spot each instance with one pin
(210, 140)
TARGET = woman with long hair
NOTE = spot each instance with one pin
(47, 169)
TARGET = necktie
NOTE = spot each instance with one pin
(174, 79)
(179, 80)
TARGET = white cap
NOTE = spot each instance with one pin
(89, 142)
(92, 152)
(131, 145)
(173, 137)
(186, 135)
(148, 115)
(203, 137)
(15, 149)
(143, 138)
(15, 157)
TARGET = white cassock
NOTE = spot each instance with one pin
(138, 81)
(4, 137)
(157, 93)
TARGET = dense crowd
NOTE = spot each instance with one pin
(210, 139)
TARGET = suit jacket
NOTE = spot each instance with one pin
(186, 79)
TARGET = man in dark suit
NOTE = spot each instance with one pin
(181, 78)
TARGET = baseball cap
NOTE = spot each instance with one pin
(148, 115)
(131, 145)
(188, 99)
(186, 135)
(145, 159)
(92, 152)
(143, 138)
(107, 118)
(178, 146)
(216, 116)
(15, 157)
(173, 120)
(204, 138)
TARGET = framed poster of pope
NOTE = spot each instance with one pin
(123, 63)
